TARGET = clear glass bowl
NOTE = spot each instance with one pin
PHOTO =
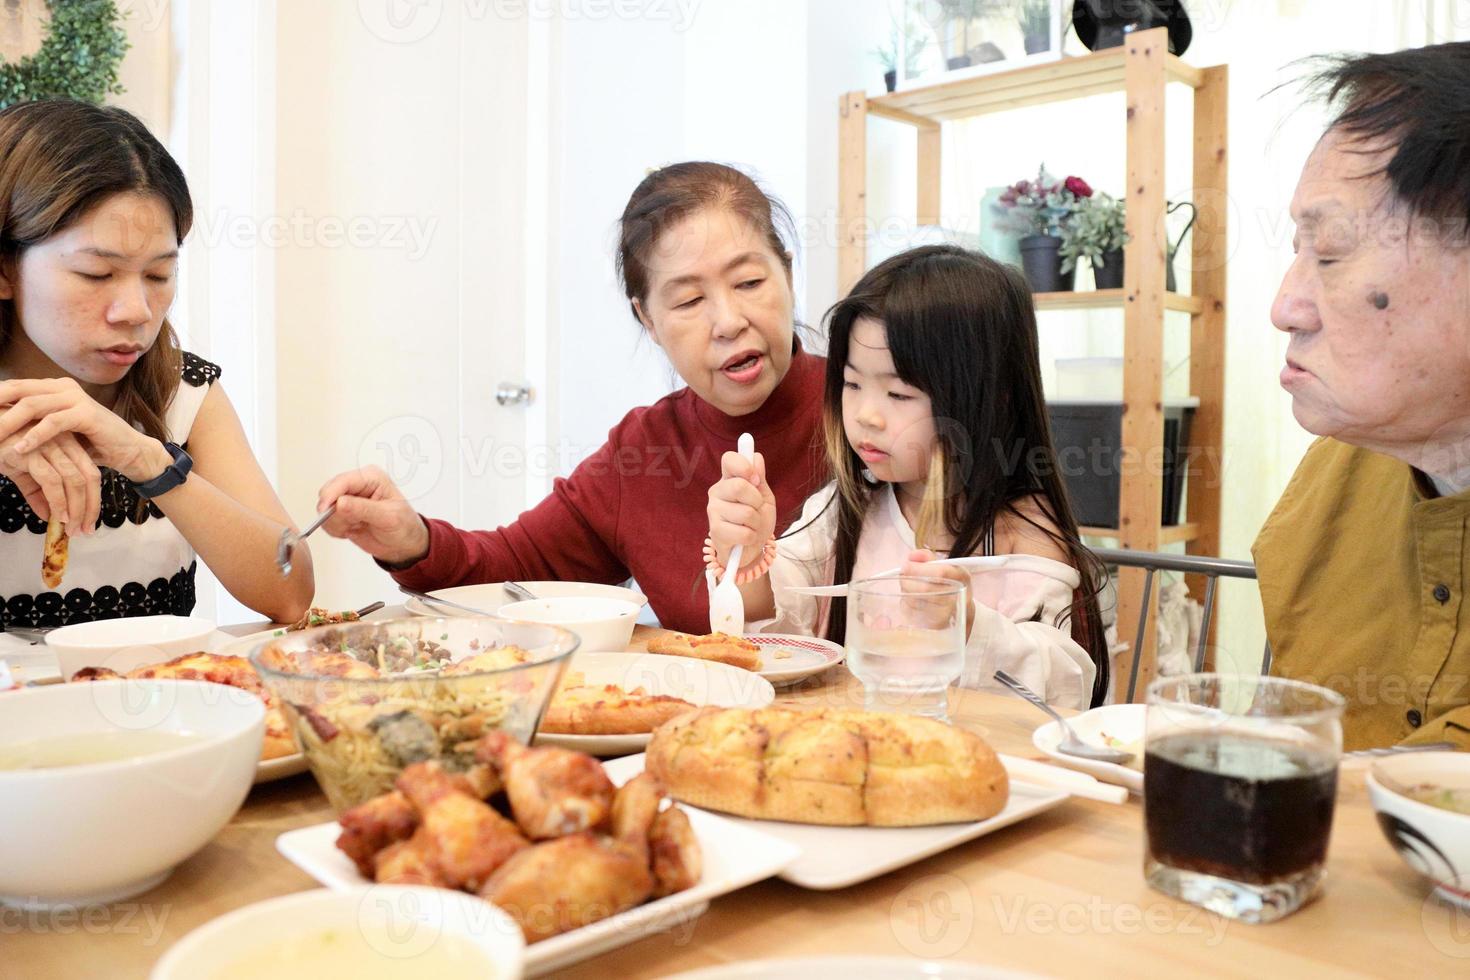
(368, 699)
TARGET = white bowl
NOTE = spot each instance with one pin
(95, 833)
(1432, 840)
(387, 922)
(603, 624)
(123, 644)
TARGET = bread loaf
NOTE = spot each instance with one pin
(841, 768)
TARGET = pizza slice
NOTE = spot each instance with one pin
(578, 708)
(719, 647)
(53, 558)
(219, 669)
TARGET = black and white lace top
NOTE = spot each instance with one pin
(135, 565)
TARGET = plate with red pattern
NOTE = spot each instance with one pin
(787, 658)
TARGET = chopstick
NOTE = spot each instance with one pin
(1070, 780)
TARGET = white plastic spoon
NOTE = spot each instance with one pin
(973, 563)
(726, 605)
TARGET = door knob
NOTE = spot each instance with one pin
(509, 393)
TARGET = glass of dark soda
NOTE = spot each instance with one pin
(1239, 785)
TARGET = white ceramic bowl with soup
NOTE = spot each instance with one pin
(1423, 804)
(106, 787)
(382, 931)
(123, 644)
(603, 624)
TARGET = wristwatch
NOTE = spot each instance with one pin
(176, 473)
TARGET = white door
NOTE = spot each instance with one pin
(391, 199)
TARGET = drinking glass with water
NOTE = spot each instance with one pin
(906, 642)
(1239, 787)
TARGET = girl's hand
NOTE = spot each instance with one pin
(742, 509)
(57, 479)
(918, 564)
(373, 514)
(50, 407)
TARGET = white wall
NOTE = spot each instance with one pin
(516, 144)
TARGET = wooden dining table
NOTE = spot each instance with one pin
(1059, 894)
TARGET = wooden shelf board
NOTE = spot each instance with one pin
(1050, 81)
(1102, 299)
(1168, 534)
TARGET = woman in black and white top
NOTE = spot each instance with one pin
(105, 424)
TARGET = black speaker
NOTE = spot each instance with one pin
(1105, 23)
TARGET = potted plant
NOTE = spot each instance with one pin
(909, 36)
(1034, 19)
(1095, 231)
(1043, 208)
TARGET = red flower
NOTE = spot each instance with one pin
(1079, 187)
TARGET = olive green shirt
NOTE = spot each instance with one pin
(1362, 569)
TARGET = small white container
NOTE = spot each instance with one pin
(399, 929)
(602, 624)
(123, 644)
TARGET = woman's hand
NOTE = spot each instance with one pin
(58, 479)
(918, 565)
(374, 515)
(742, 509)
(50, 407)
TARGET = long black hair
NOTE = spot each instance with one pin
(961, 328)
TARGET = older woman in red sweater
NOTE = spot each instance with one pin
(708, 277)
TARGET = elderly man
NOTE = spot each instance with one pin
(1365, 561)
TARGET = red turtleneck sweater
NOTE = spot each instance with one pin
(636, 507)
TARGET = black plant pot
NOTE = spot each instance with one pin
(1041, 260)
(1109, 275)
(890, 79)
(1107, 23)
(1037, 43)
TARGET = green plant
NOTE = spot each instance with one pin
(963, 13)
(1095, 229)
(1034, 17)
(78, 59)
(911, 36)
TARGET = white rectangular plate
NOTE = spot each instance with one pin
(736, 854)
(837, 857)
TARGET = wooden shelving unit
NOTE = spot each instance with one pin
(1141, 68)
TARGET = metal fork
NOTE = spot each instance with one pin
(289, 540)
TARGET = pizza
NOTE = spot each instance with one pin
(579, 708)
(235, 672)
(719, 647)
(53, 558)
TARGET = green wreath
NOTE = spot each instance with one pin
(78, 59)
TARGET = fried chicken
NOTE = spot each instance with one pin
(370, 827)
(465, 839)
(678, 862)
(558, 885)
(552, 791)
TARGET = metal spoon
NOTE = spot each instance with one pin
(289, 540)
(1070, 743)
(435, 600)
(518, 591)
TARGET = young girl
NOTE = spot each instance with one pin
(936, 429)
(106, 426)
